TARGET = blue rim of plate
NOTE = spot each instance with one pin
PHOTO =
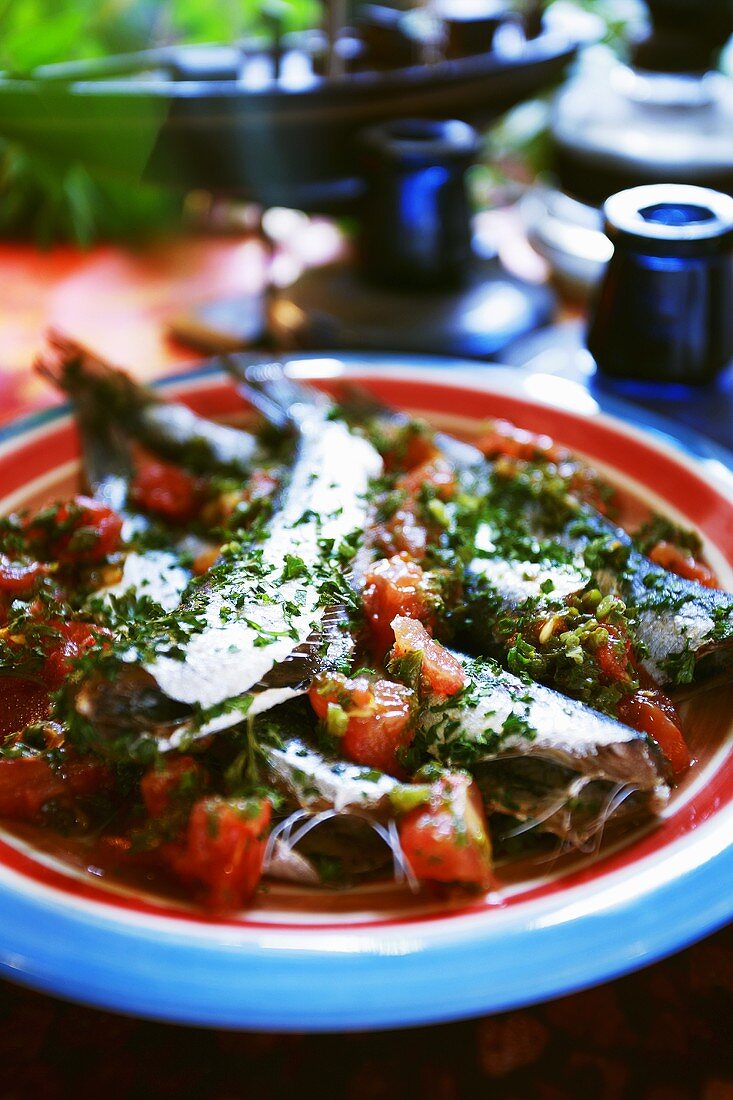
(371, 978)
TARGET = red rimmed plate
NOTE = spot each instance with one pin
(305, 959)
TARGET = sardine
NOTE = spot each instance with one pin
(539, 796)
(261, 602)
(341, 812)
(317, 783)
(498, 717)
(333, 808)
(685, 628)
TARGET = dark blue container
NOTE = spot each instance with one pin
(415, 217)
(664, 313)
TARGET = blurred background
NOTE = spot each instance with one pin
(47, 199)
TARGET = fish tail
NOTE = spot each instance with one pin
(79, 373)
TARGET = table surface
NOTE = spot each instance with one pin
(665, 1033)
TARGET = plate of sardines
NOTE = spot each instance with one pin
(356, 692)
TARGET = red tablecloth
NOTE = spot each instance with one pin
(663, 1034)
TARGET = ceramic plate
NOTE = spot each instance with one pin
(377, 956)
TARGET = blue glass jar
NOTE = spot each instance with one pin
(664, 312)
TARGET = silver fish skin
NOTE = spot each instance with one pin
(343, 810)
(498, 716)
(316, 782)
(253, 622)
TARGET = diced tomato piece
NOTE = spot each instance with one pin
(205, 560)
(375, 717)
(671, 558)
(441, 671)
(404, 532)
(70, 640)
(26, 784)
(437, 473)
(171, 785)
(408, 446)
(615, 656)
(505, 438)
(447, 839)
(81, 531)
(19, 579)
(224, 849)
(653, 713)
(394, 586)
(21, 703)
(29, 782)
(166, 490)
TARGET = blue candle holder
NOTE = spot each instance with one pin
(664, 313)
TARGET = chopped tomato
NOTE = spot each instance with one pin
(404, 533)
(204, 561)
(372, 718)
(437, 473)
(394, 586)
(224, 849)
(80, 531)
(167, 787)
(21, 703)
(29, 782)
(671, 558)
(615, 656)
(505, 438)
(69, 641)
(441, 672)
(652, 712)
(447, 839)
(408, 446)
(166, 490)
(19, 579)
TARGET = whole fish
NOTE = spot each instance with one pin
(333, 808)
(265, 598)
(499, 718)
(685, 628)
